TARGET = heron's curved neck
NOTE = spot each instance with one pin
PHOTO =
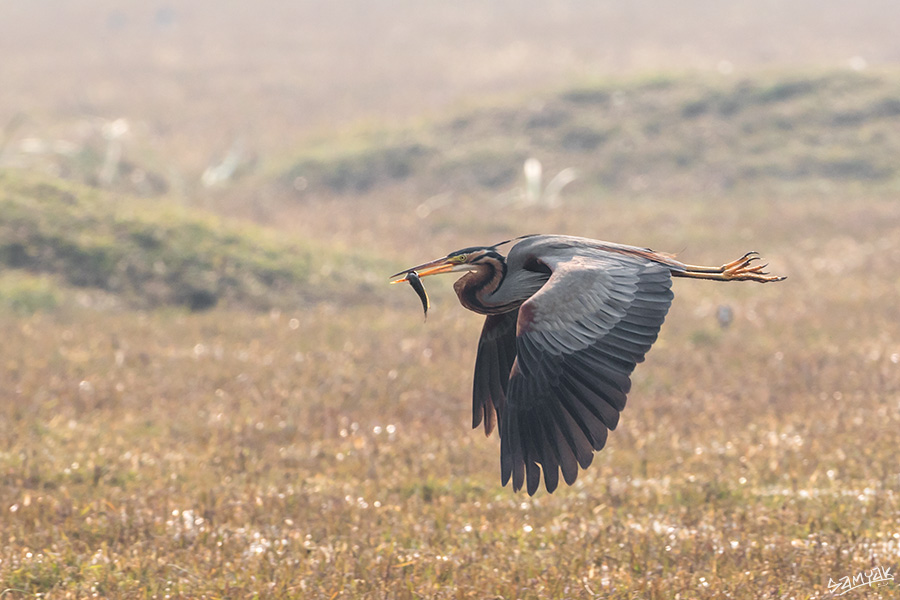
(476, 287)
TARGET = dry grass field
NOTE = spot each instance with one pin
(212, 392)
(323, 451)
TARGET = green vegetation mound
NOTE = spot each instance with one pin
(146, 254)
(662, 134)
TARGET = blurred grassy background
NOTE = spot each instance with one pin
(206, 389)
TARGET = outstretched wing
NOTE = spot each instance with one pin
(578, 340)
(496, 353)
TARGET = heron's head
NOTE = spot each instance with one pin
(467, 259)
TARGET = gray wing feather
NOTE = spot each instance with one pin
(578, 341)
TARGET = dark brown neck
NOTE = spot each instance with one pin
(474, 287)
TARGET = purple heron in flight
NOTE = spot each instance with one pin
(568, 319)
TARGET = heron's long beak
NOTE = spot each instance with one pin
(434, 267)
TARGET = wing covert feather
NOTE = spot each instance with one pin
(578, 339)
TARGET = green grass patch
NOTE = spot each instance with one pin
(153, 253)
(23, 293)
(359, 170)
(690, 132)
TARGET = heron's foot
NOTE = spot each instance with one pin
(746, 269)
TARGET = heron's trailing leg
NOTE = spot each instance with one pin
(741, 269)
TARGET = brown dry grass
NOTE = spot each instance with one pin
(325, 453)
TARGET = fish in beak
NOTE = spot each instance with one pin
(414, 275)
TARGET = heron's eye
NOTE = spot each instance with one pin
(458, 258)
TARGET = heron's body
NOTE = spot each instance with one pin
(568, 319)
